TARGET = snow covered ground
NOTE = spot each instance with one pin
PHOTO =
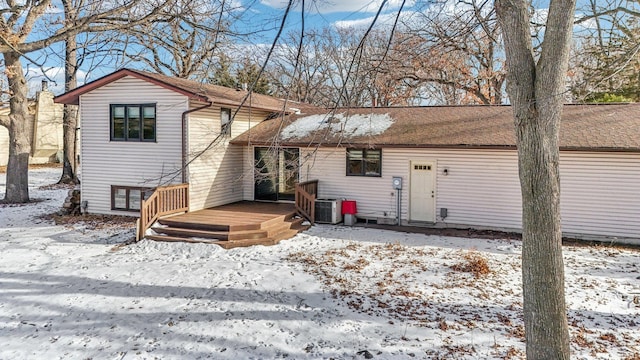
(333, 292)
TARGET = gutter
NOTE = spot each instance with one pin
(183, 170)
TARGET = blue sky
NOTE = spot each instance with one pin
(327, 13)
(264, 17)
(261, 16)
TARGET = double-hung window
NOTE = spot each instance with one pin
(133, 122)
(364, 162)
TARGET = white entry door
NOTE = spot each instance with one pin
(422, 197)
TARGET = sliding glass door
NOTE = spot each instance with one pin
(276, 173)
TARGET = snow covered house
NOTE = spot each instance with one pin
(435, 166)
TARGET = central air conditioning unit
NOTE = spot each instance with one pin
(328, 211)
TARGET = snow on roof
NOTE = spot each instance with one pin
(350, 125)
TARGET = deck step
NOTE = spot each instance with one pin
(192, 225)
(245, 243)
(297, 222)
(213, 226)
(277, 220)
(277, 228)
(167, 238)
(218, 235)
(285, 235)
(230, 226)
(229, 244)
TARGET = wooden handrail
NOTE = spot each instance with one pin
(165, 200)
(306, 194)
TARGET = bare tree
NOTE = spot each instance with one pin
(28, 26)
(447, 55)
(90, 52)
(310, 83)
(457, 49)
(536, 91)
(70, 114)
(179, 45)
(187, 43)
(606, 58)
(329, 76)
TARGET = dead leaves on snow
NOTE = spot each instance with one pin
(388, 280)
(473, 263)
(450, 291)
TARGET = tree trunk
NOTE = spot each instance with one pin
(70, 117)
(536, 94)
(542, 265)
(20, 132)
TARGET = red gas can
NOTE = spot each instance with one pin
(349, 207)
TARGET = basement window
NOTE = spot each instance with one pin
(364, 162)
(128, 198)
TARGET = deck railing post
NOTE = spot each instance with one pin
(165, 200)
(305, 199)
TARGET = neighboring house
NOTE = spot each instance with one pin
(458, 164)
(47, 131)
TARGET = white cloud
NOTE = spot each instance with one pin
(54, 77)
(384, 20)
(333, 6)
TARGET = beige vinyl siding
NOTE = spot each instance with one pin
(374, 195)
(4, 146)
(481, 188)
(215, 176)
(600, 191)
(128, 163)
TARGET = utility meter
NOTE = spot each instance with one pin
(397, 183)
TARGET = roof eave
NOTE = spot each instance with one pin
(601, 149)
(266, 108)
(73, 97)
(430, 146)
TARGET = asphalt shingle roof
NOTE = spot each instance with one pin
(193, 89)
(614, 127)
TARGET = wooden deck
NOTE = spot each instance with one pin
(239, 224)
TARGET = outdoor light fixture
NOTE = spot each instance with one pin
(445, 171)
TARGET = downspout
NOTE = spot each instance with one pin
(184, 137)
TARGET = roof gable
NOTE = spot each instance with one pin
(218, 95)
